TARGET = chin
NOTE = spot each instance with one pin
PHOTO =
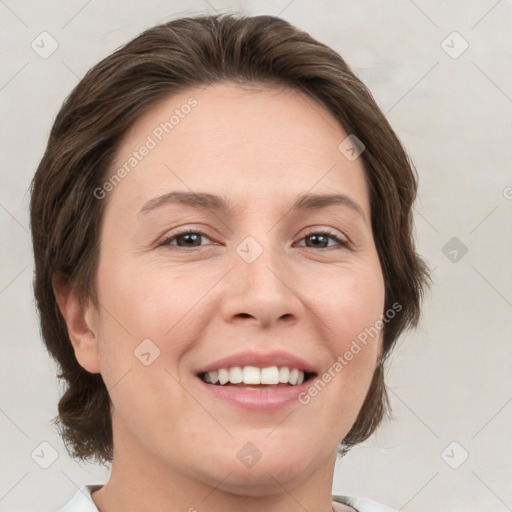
(283, 466)
(264, 479)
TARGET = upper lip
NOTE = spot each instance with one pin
(260, 360)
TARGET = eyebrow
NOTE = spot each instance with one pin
(204, 200)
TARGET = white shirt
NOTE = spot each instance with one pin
(82, 502)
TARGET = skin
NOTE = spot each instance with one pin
(174, 445)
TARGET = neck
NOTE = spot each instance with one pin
(144, 481)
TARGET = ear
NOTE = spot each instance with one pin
(81, 323)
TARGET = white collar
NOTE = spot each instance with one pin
(82, 500)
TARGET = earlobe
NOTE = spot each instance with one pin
(81, 323)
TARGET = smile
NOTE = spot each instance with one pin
(252, 375)
(256, 389)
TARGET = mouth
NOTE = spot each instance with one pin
(257, 381)
(253, 377)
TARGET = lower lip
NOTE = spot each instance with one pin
(254, 399)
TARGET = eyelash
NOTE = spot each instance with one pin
(344, 244)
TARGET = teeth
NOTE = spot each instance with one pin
(284, 374)
(235, 375)
(270, 375)
(252, 375)
(223, 376)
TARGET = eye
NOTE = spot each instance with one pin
(321, 237)
(192, 239)
(189, 238)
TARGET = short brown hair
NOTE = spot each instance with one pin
(163, 60)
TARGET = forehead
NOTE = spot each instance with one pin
(235, 141)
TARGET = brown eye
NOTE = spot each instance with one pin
(190, 238)
(320, 240)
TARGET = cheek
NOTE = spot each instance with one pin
(154, 303)
(350, 301)
(141, 316)
(351, 309)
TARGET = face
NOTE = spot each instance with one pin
(261, 278)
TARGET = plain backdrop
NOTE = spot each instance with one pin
(441, 72)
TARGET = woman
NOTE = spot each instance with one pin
(224, 260)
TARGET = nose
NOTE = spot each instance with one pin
(263, 291)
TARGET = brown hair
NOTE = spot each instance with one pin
(170, 58)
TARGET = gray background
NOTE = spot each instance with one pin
(450, 380)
